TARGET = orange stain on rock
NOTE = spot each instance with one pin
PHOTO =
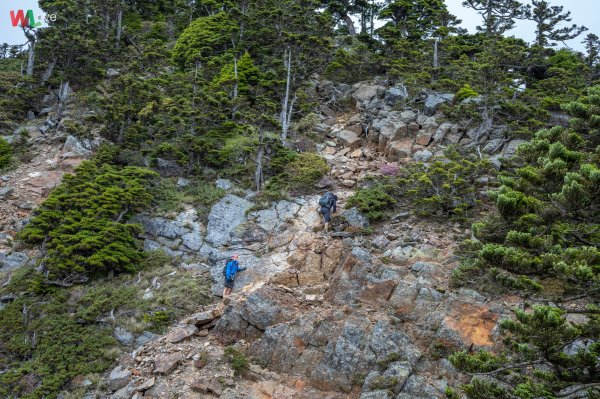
(473, 323)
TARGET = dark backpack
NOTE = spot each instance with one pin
(230, 270)
(324, 200)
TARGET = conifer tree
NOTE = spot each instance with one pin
(592, 58)
(498, 15)
(549, 219)
(547, 18)
(343, 10)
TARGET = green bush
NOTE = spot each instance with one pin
(465, 92)
(306, 170)
(534, 362)
(159, 319)
(546, 225)
(82, 224)
(373, 201)
(237, 360)
(446, 188)
(300, 172)
(6, 153)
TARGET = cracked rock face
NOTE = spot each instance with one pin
(224, 217)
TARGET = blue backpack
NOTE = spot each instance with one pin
(231, 269)
(324, 201)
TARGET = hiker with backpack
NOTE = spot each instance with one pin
(231, 268)
(327, 204)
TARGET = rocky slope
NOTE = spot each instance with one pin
(339, 315)
(49, 152)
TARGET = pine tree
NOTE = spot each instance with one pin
(412, 33)
(592, 58)
(498, 15)
(344, 9)
(549, 219)
(547, 18)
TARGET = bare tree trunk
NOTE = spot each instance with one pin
(119, 27)
(234, 106)
(235, 75)
(30, 35)
(349, 24)
(63, 96)
(31, 58)
(106, 25)
(435, 53)
(258, 173)
(171, 28)
(489, 22)
(49, 69)
(484, 128)
(283, 117)
(193, 123)
(372, 28)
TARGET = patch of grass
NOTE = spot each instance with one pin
(48, 336)
(237, 360)
(203, 195)
(48, 347)
(167, 197)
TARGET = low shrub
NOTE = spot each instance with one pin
(50, 348)
(6, 153)
(465, 92)
(445, 188)
(306, 170)
(237, 360)
(373, 201)
(49, 336)
(298, 174)
(82, 224)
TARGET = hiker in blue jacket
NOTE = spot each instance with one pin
(327, 204)
(232, 266)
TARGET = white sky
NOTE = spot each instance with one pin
(583, 12)
(11, 35)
